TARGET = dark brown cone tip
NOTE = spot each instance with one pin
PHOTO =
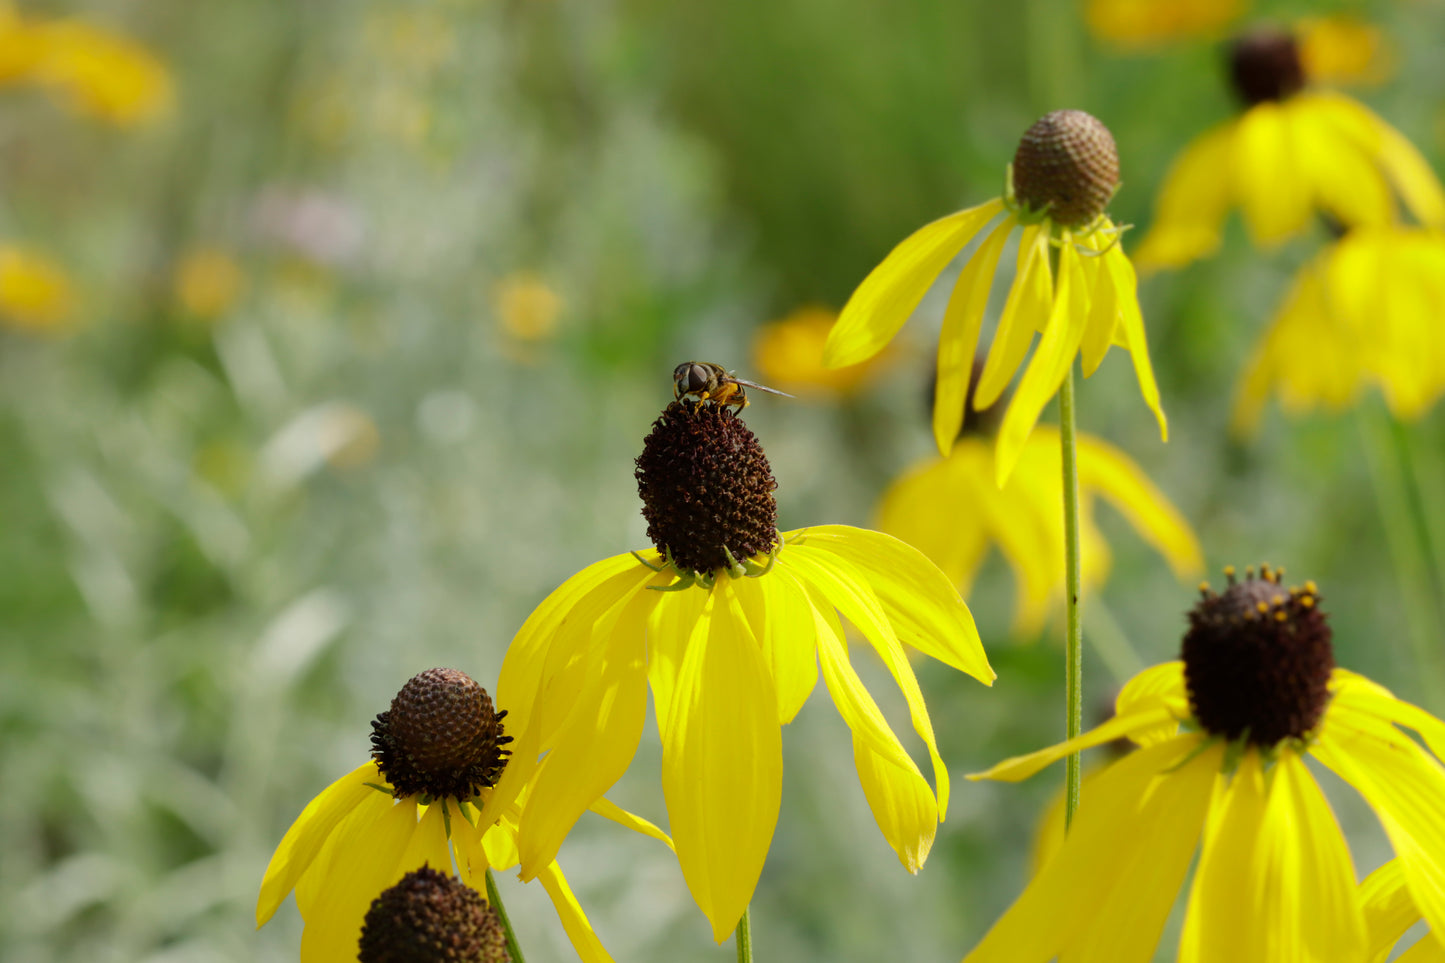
(430, 917)
(705, 484)
(441, 737)
(1257, 659)
(1265, 65)
(1068, 165)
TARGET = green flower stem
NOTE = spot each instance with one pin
(744, 937)
(1402, 537)
(495, 898)
(1074, 639)
(1112, 643)
(1428, 474)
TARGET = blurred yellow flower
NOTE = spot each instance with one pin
(34, 293)
(1149, 22)
(951, 510)
(1390, 910)
(1292, 153)
(1063, 176)
(527, 310)
(1365, 311)
(788, 354)
(208, 281)
(1344, 50)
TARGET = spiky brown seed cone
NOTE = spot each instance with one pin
(1265, 65)
(705, 484)
(1067, 164)
(441, 737)
(430, 917)
(1257, 660)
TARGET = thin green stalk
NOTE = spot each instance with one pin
(1073, 597)
(1402, 539)
(744, 937)
(495, 898)
(1112, 643)
(1428, 474)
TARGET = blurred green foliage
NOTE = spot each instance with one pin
(227, 540)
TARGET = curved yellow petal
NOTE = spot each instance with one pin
(886, 298)
(901, 799)
(1406, 168)
(1159, 686)
(1050, 363)
(314, 882)
(1131, 323)
(1108, 471)
(722, 762)
(430, 845)
(1223, 921)
(1364, 695)
(1192, 203)
(610, 810)
(777, 611)
(918, 601)
(303, 841)
(1103, 299)
(569, 911)
(1021, 767)
(1266, 174)
(1343, 179)
(1106, 894)
(1389, 910)
(958, 340)
(1320, 864)
(910, 510)
(1026, 311)
(1428, 949)
(673, 625)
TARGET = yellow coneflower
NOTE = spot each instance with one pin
(35, 294)
(527, 310)
(788, 353)
(952, 510)
(1294, 152)
(437, 755)
(1390, 910)
(1222, 737)
(1062, 177)
(1144, 23)
(1365, 312)
(1342, 49)
(726, 620)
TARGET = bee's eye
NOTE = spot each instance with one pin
(696, 378)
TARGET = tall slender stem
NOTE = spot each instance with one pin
(1428, 475)
(744, 937)
(495, 898)
(1074, 639)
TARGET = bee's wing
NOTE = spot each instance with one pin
(754, 384)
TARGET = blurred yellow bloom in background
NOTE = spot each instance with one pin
(1390, 911)
(1292, 154)
(1149, 22)
(527, 310)
(1343, 49)
(1062, 177)
(208, 281)
(951, 510)
(35, 294)
(788, 353)
(1366, 311)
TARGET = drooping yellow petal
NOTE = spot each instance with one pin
(1347, 183)
(1389, 910)
(313, 883)
(1159, 686)
(1131, 323)
(1428, 949)
(429, 845)
(1103, 323)
(886, 298)
(1021, 767)
(569, 911)
(1223, 922)
(907, 510)
(1108, 471)
(610, 810)
(365, 865)
(1265, 173)
(1106, 894)
(671, 630)
(303, 841)
(1407, 170)
(722, 762)
(1050, 363)
(958, 340)
(1363, 695)
(843, 586)
(1192, 203)
(901, 799)
(919, 602)
(1026, 311)
(777, 611)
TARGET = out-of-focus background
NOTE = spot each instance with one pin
(329, 332)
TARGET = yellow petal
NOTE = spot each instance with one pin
(1105, 896)
(1429, 949)
(1192, 203)
(909, 510)
(846, 588)
(1021, 767)
(722, 763)
(1389, 910)
(1402, 163)
(429, 845)
(670, 628)
(1342, 178)
(1266, 177)
(1049, 365)
(1159, 686)
(901, 800)
(1361, 694)
(918, 600)
(311, 829)
(886, 298)
(1103, 300)
(1108, 471)
(958, 341)
(313, 884)
(1025, 311)
(620, 816)
(777, 611)
(1131, 322)
(574, 921)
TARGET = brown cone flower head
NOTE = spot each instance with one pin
(430, 917)
(1257, 659)
(706, 486)
(1067, 166)
(1265, 65)
(441, 737)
